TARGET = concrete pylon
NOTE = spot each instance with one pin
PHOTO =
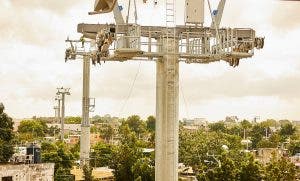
(85, 124)
(167, 124)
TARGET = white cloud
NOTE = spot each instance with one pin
(32, 63)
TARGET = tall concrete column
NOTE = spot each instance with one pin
(85, 125)
(58, 111)
(62, 119)
(167, 124)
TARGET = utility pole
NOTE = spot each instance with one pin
(88, 104)
(62, 91)
(58, 107)
(85, 124)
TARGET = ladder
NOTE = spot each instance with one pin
(170, 39)
(170, 13)
(170, 23)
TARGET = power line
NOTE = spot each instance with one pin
(184, 100)
(131, 89)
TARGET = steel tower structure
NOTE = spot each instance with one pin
(167, 46)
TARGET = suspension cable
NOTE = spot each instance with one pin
(130, 89)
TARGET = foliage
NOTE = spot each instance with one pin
(246, 124)
(251, 170)
(102, 155)
(73, 120)
(287, 130)
(218, 127)
(136, 124)
(194, 147)
(94, 129)
(128, 157)
(59, 154)
(6, 151)
(87, 173)
(236, 130)
(257, 133)
(107, 132)
(75, 150)
(36, 128)
(281, 169)
(143, 168)
(6, 136)
(294, 147)
(53, 130)
(63, 175)
(150, 122)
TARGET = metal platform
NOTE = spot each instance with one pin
(196, 44)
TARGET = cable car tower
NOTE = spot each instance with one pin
(167, 46)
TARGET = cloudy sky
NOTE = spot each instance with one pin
(32, 63)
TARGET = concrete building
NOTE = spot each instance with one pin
(264, 155)
(195, 124)
(30, 172)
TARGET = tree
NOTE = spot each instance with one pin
(246, 125)
(257, 133)
(143, 169)
(53, 130)
(226, 171)
(36, 128)
(72, 120)
(87, 173)
(59, 154)
(136, 124)
(294, 147)
(107, 132)
(151, 123)
(250, 170)
(287, 130)
(194, 147)
(281, 169)
(102, 155)
(128, 157)
(218, 127)
(6, 136)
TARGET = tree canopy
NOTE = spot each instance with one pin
(6, 136)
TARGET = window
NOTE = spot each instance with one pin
(7, 179)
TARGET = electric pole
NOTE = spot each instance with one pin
(62, 91)
(58, 108)
(85, 124)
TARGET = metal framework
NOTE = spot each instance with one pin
(167, 46)
(88, 104)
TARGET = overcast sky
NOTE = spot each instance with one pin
(32, 63)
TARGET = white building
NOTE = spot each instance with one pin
(30, 172)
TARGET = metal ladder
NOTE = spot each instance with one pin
(171, 51)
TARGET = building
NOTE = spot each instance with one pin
(264, 155)
(195, 124)
(75, 138)
(95, 138)
(231, 119)
(29, 172)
